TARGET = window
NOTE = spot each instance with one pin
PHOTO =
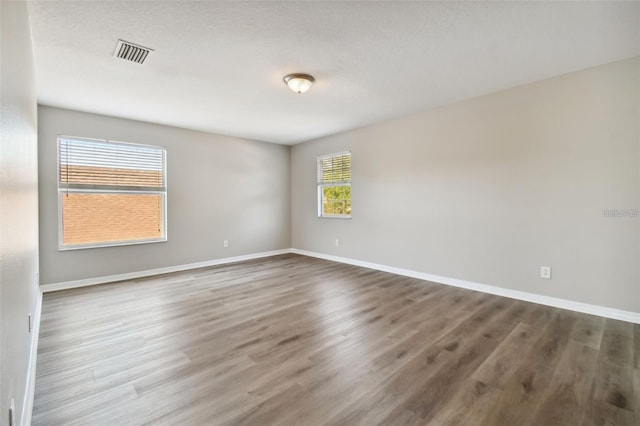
(110, 193)
(334, 185)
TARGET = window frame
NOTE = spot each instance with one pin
(62, 191)
(322, 185)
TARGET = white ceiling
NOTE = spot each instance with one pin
(218, 66)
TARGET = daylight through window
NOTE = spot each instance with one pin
(110, 193)
(334, 185)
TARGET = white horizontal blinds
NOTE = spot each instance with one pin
(104, 165)
(335, 168)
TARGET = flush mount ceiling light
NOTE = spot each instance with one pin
(299, 82)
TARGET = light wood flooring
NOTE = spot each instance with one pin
(293, 340)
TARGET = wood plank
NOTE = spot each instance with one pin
(503, 362)
(521, 394)
(570, 388)
(84, 407)
(636, 345)
(602, 414)
(588, 330)
(613, 383)
(471, 401)
(470, 352)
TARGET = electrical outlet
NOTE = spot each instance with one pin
(12, 413)
(225, 243)
(545, 272)
(30, 323)
(337, 242)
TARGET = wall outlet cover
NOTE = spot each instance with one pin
(545, 272)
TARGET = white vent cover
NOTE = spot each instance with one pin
(131, 52)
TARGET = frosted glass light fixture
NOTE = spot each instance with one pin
(299, 82)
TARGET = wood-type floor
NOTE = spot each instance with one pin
(293, 340)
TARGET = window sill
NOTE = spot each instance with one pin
(114, 244)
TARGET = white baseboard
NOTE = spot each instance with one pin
(586, 308)
(149, 272)
(571, 305)
(27, 403)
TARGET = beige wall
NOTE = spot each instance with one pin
(18, 205)
(490, 189)
(219, 188)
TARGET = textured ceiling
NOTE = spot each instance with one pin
(218, 66)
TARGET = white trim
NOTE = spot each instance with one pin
(571, 305)
(27, 403)
(114, 244)
(139, 274)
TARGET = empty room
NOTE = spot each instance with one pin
(320, 213)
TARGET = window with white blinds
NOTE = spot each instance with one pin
(334, 185)
(110, 193)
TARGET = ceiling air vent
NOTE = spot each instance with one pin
(131, 52)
